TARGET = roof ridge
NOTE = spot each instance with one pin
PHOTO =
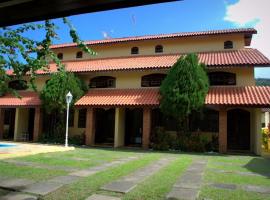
(161, 36)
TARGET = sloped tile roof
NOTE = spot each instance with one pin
(27, 99)
(120, 97)
(241, 96)
(218, 95)
(249, 31)
(243, 57)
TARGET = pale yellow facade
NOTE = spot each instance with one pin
(147, 47)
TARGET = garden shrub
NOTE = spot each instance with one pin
(160, 139)
(189, 142)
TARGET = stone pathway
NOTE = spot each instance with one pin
(48, 186)
(102, 197)
(18, 196)
(40, 165)
(127, 183)
(94, 170)
(189, 183)
(240, 173)
(247, 188)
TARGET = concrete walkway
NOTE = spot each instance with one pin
(127, 183)
(189, 183)
(48, 186)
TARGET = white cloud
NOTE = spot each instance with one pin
(256, 13)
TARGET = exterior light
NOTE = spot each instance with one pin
(68, 100)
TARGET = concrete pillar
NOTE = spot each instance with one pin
(266, 119)
(21, 123)
(2, 116)
(90, 127)
(146, 127)
(37, 124)
(257, 132)
(222, 136)
(119, 127)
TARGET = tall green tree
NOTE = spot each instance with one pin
(24, 55)
(184, 89)
(53, 97)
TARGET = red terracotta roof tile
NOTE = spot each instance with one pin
(219, 95)
(243, 57)
(27, 99)
(120, 97)
(249, 31)
(241, 96)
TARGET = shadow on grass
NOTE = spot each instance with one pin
(260, 166)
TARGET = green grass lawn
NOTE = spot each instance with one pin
(154, 187)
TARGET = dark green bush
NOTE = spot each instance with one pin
(160, 139)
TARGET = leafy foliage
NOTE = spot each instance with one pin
(23, 55)
(53, 95)
(185, 87)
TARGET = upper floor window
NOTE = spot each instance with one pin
(134, 50)
(152, 80)
(228, 44)
(222, 78)
(79, 54)
(159, 49)
(60, 56)
(102, 82)
(18, 85)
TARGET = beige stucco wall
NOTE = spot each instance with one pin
(132, 79)
(147, 47)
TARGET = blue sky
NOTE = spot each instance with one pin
(179, 16)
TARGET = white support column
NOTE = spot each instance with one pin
(266, 117)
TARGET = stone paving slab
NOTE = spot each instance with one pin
(255, 188)
(102, 197)
(14, 183)
(188, 185)
(18, 196)
(240, 173)
(93, 170)
(127, 183)
(182, 194)
(224, 186)
(68, 179)
(42, 188)
(40, 165)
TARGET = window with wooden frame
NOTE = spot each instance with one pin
(228, 44)
(152, 80)
(18, 85)
(79, 54)
(222, 78)
(134, 50)
(102, 82)
(60, 56)
(159, 49)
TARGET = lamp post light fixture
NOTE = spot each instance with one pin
(68, 100)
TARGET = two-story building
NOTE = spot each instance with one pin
(121, 107)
